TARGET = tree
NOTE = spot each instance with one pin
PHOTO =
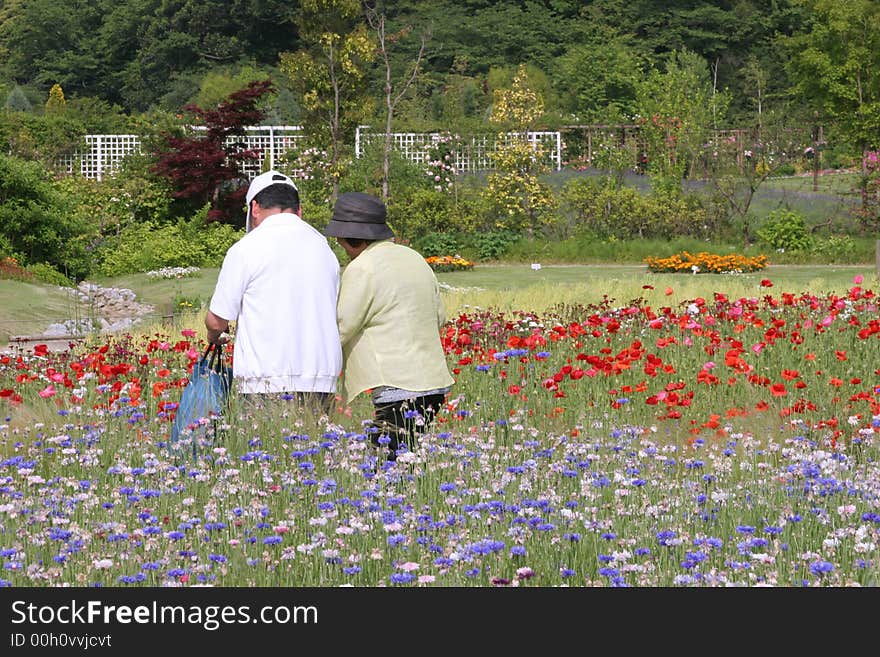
(519, 199)
(835, 64)
(17, 101)
(386, 41)
(598, 78)
(329, 74)
(678, 108)
(56, 103)
(37, 224)
(200, 166)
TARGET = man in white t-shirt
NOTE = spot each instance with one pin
(279, 284)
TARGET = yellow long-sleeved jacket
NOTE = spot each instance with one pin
(389, 313)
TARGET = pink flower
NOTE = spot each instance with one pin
(188, 333)
(524, 573)
(48, 391)
(858, 279)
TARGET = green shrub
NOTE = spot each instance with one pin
(594, 207)
(837, 248)
(493, 244)
(37, 219)
(438, 244)
(785, 229)
(146, 247)
(787, 169)
(48, 274)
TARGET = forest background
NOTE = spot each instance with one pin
(730, 101)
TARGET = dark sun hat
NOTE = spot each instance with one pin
(359, 216)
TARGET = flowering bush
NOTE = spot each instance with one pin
(173, 272)
(440, 161)
(706, 263)
(10, 269)
(449, 263)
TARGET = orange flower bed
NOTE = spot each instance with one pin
(706, 263)
(449, 263)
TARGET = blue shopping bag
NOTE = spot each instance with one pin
(204, 398)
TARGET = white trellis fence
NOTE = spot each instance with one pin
(104, 153)
(473, 153)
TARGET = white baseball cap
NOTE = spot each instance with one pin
(260, 183)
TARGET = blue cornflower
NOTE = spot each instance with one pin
(272, 540)
(567, 572)
(351, 570)
(609, 572)
(217, 558)
(821, 567)
(402, 578)
(745, 529)
(518, 551)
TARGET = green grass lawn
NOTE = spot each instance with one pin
(29, 308)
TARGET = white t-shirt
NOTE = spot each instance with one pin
(279, 283)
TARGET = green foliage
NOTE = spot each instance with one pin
(48, 274)
(493, 244)
(184, 303)
(835, 66)
(594, 207)
(438, 244)
(421, 212)
(837, 248)
(677, 109)
(16, 101)
(36, 222)
(40, 137)
(786, 230)
(329, 74)
(130, 195)
(56, 102)
(598, 77)
(364, 174)
(145, 246)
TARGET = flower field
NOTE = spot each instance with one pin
(720, 442)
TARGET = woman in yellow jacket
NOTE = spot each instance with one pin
(389, 314)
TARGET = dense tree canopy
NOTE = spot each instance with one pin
(592, 55)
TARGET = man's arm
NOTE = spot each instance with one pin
(217, 327)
